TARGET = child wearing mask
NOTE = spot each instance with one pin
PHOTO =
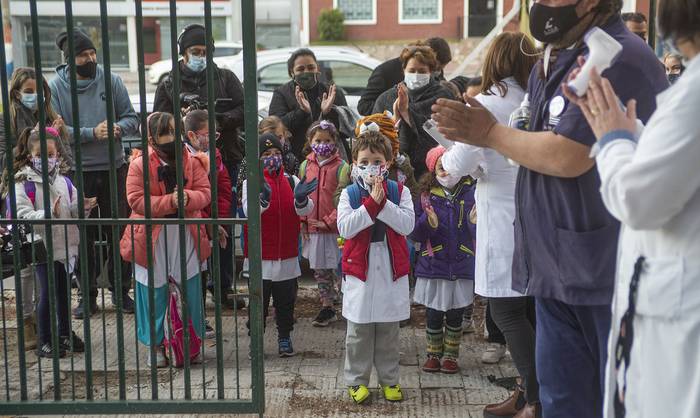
(374, 216)
(63, 197)
(445, 267)
(319, 230)
(284, 198)
(160, 155)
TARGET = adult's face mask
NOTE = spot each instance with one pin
(415, 80)
(29, 100)
(306, 80)
(196, 63)
(87, 70)
(672, 78)
(549, 24)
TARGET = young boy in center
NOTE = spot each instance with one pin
(374, 216)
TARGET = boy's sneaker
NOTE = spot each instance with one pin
(46, 351)
(392, 393)
(431, 365)
(325, 317)
(209, 332)
(358, 393)
(64, 342)
(285, 347)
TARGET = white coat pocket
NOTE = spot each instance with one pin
(661, 288)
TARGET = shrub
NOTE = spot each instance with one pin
(330, 25)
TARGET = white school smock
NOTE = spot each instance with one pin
(494, 196)
(380, 298)
(166, 258)
(652, 186)
(278, 270)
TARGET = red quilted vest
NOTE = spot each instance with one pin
(280, 224)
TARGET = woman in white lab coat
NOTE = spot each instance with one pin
(507, 66)
(650, 182)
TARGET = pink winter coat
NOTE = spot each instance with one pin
(198, 192)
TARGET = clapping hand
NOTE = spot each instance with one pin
(469, 124)
(302, 100)
(328, 100)
(185, 199)
(304, 189)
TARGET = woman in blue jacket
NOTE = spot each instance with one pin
(445, 267)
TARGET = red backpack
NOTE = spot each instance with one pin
(174, 329)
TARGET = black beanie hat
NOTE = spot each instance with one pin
(81, 42)
(191, 35)
(269, 140)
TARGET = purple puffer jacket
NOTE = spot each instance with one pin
(452, 241)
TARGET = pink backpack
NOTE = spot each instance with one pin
(175, 342)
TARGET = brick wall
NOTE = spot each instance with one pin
(388, 26)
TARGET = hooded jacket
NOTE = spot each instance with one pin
(229, 114)
(198, 192)
(92, 105)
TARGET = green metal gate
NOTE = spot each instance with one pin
(112, 375)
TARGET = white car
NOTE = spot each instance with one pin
(222, 50)
(348, 68)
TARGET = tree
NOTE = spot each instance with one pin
(331, 25)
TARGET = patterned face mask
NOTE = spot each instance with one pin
(365, 175)
(51, 161)
(323, 150)
(272, 163)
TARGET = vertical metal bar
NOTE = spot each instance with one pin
(67, 299)
(250, 99)
(180, 190)
(147, 198)
(114, 196)
(136, 323)
(79, 182)
(216, 265)
(9, 144)
(48, 236)
(4, 337)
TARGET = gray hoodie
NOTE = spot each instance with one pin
(92, 106)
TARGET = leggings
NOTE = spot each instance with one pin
(61, 288)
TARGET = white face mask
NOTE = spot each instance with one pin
(415, 80)
(449, 181)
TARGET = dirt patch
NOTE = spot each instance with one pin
(323, 407)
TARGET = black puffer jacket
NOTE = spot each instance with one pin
(229, 114)
(284, 105)
(415, 142)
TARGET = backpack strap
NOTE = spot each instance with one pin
(342, 168)
(302, 169)
(394, 190)
(354, 195)
(30, 191)
(69, 184)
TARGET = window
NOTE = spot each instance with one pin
(350, 77)
(358, 12)
(420, 11)
(272, 76)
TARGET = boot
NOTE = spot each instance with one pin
(29, 333)
(530, 411)
(453, 336)
(435, 342)
(507, 408)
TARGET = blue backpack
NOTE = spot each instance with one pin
(355, 194)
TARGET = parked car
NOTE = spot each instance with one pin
(348, 68)
(222, 50)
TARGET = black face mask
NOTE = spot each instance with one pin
(87, 70)
(306, 80)
(167, 151)
(549, 24)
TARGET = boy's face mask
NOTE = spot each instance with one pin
(365, 175)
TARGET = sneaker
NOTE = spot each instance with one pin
(46, 351)
(78, 311)
(127, 302)
(358, 393)
(449, 366)
(65, 343)
(161, 361)
(468, 326)
(209, 332)
(494, 353)
(392, 393)
(432, 364)
(285, 347)
(30, 339)
(324, 317)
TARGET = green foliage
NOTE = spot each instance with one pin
(330, 25)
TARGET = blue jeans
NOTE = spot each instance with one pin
(571, 351)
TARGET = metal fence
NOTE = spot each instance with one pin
(113, 375)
